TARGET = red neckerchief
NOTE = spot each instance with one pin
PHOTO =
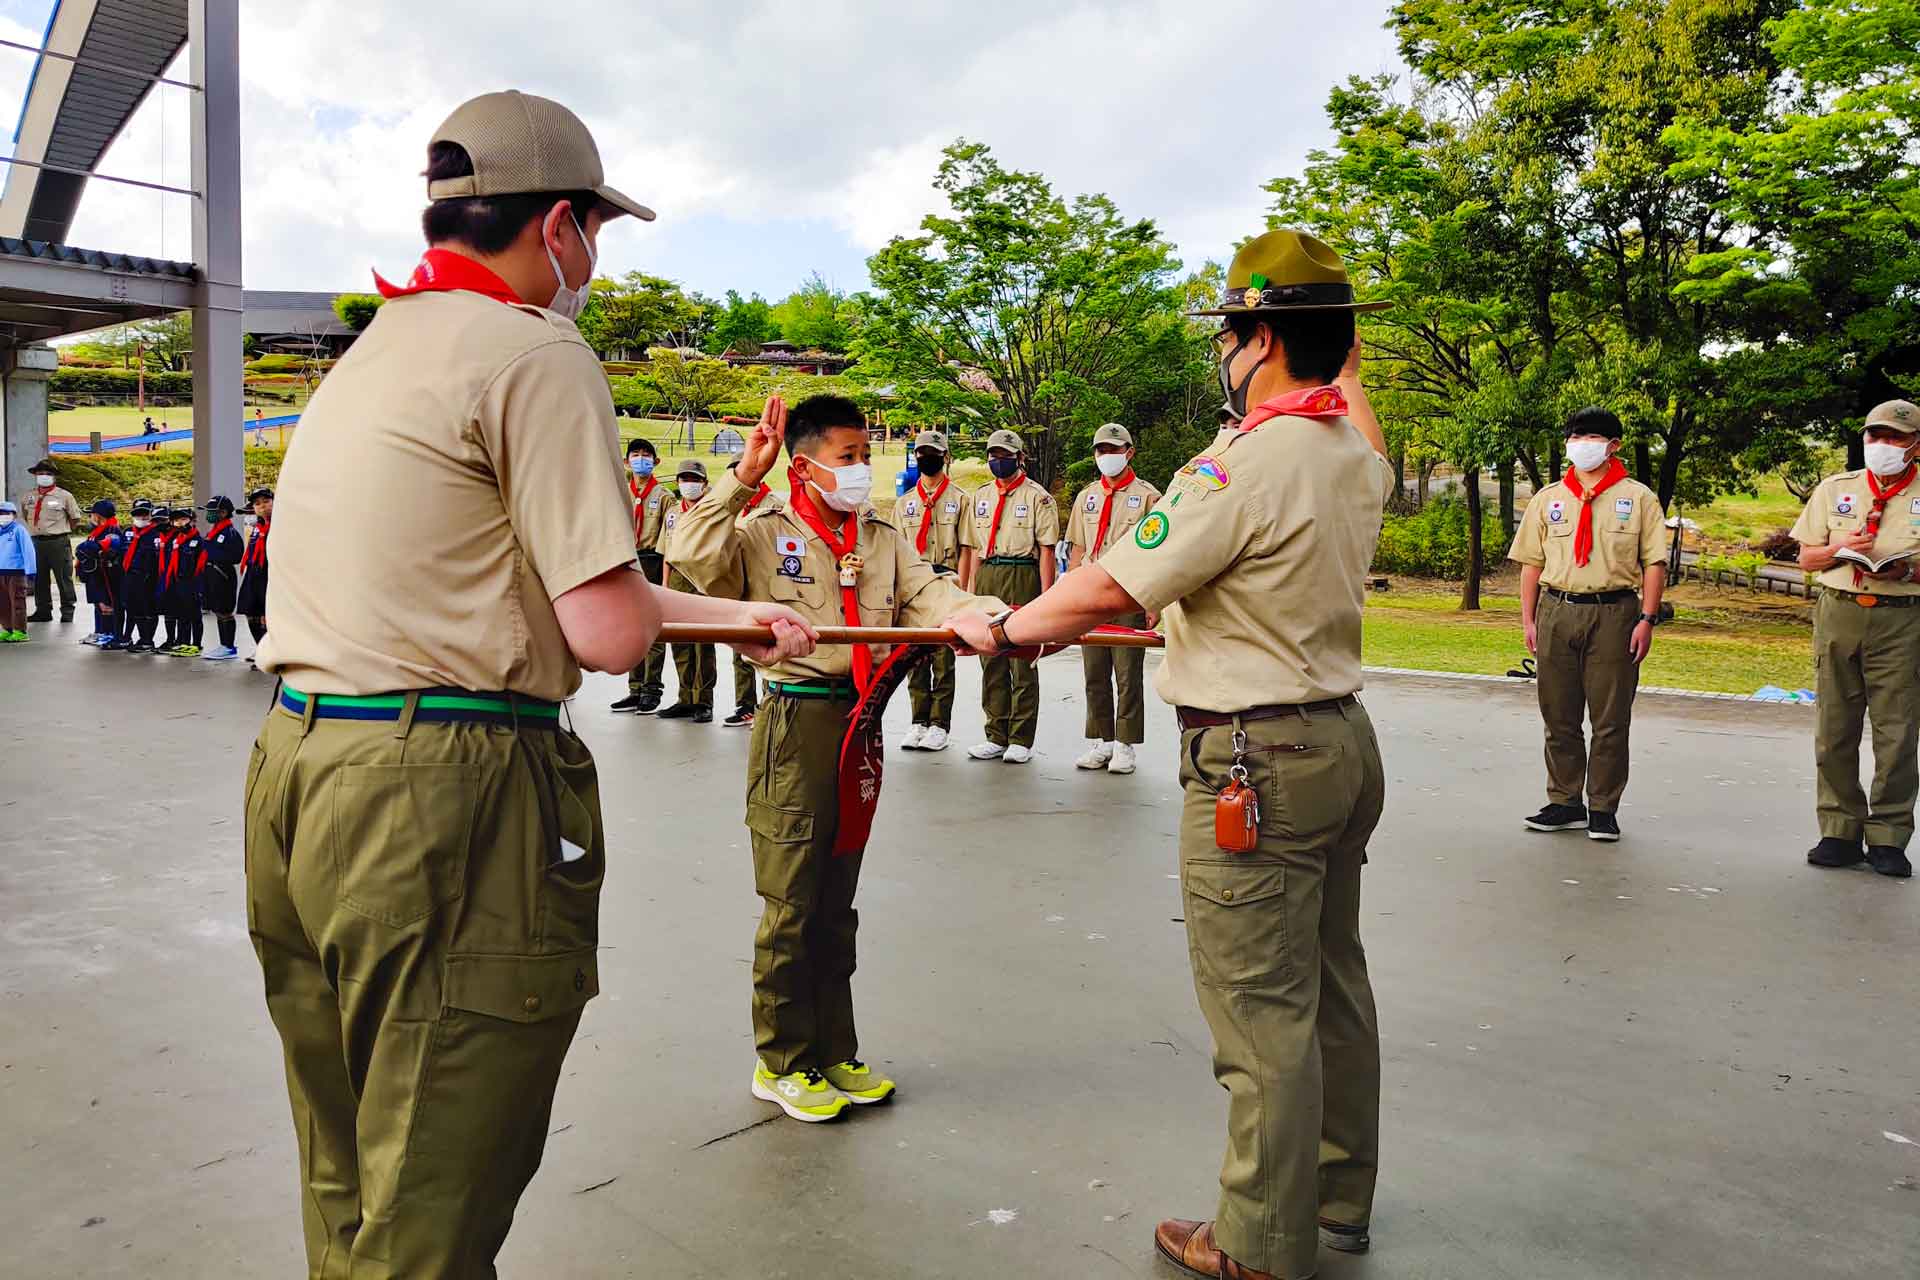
(800, 502)
(97, 537)
(926, 516)
(256, 552)
(170, 555)
(1879, 508)
(1120, 482)
(1311, 402)
(993, 532)
(758, 497)
(133, 546)
(206, 545)
(39, 501)
(640, 502)
(444, 271)
(1583, 532)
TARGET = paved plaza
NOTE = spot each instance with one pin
(1685, 1055)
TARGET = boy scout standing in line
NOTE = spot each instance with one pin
(1593, 551)
(52, 517)
(424, 842)
(933, 514)
(1256, 557)
(833, 558)
(1103, 514)
(644, 686)
(1866, 645)
(693, 663)
(1015, 528)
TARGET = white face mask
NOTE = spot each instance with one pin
(692, 489)
(45, 482)
(141, 522)
(1886, 459)
(571, 302)
(1110, 464)
(852, 485)
(6, 518)
(1587, 455)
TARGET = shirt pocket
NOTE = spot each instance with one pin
(810, 598)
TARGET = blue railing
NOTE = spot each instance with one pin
(109, 444)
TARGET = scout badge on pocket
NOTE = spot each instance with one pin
(1236, 810)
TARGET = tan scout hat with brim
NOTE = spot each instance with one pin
(931, 439)
(692, 467)
(523, 145)
(1287, 271)
(1114, 433)
(1900, 415)
(1004, 439)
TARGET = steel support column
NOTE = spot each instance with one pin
(219, 432)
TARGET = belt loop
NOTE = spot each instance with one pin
(513, 709)
(408, 706)
(1306, 716)
(306, 717)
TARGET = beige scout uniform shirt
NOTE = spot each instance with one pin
(48, 513)
(773, 556)
(1629, 533)
(458, 470)
(1031, 521)
(649, 515)
(1255, 559)
(1838, 509)
(952, 526)
(1130, 507)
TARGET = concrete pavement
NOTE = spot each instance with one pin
(1676, 1056)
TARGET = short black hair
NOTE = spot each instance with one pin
(1594, 421)
(486, 224)
(817, 415)
(1315, 344)
(640, 444)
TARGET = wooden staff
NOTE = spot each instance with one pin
(695, 633)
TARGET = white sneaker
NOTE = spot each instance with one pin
(936, 739)
(1017, 754)
(987, 751)
(915, 740)
(1098, 753)
(220, 653)
(1122, 761)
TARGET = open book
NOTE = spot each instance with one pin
(1875, 566)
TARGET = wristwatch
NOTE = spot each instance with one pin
(1651, 619)
(997, 624)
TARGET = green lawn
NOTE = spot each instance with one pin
(1709, 649)
(1739, 518)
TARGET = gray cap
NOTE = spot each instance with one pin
(931, 439)
(1114, 433)
(1004, 439)
(523, 144)
(1899, 415)
(692, 467)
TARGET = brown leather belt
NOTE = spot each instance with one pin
(1592, 597)
(1867, 600)
(1193, 718)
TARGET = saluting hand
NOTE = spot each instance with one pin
(763, 443)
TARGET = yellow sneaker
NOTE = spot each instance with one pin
(857, 1080)
(804, 1095)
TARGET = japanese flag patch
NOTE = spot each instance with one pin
(1093, 502)
(792, 552)
(1843, 505)
(982, 507)
(1556, 512)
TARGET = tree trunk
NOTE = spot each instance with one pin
(1399, 470)
(1422, 483)
(1507, 496)
(1530, 461)
(1554, 469)
(1643, 463)
(1470, 593)
(1670, 464)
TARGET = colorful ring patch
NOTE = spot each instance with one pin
(1152, 531)
(1209, 472)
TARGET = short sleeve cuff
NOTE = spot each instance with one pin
(579, 572)
(1537, 562)
(1134, 579)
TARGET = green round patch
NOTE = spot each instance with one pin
(1152, 531)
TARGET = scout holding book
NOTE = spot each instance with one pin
(833, 559)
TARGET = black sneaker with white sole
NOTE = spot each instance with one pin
(629, 703)
(1559, 817)
(1602, 826)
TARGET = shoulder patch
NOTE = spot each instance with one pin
(1152, 531)
(1210, 472)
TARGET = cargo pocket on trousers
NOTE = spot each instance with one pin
(576, 866)
(782, 849)
(1237, 921)
(401, 833)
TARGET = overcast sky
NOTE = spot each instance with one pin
(773, 139)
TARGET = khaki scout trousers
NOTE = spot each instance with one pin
(697, 665)
(931, 687)
(1866, 663)
(1274, 940)
(646, 678)
(746, 684)
(1585, 670)
(1124, 669)
(426, 955)
(1010, 688)
(803, 954)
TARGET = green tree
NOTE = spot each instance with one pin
(690, 384)
(626, 316)
(744, 324)
(814, 316)
(356, 309)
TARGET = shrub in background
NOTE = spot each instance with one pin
(1432, 542)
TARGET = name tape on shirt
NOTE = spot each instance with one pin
(1133, 503)
(1623, 507)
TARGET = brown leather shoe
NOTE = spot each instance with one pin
(1190, 1247)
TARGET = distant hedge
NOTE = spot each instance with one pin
(1432, 542)
(78, 381)
(164, 476)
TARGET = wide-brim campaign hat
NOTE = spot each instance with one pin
(43, 467)
(521, 144)
(1287, 270)
(1896, 415)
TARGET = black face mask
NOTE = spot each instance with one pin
(930, 464)
(1236, 396)
(1004, 468)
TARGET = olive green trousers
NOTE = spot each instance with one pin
(1274, 940)
(426, 953)
(1120, 672)
(746, 684)
(1009, 687)
(697, 665)
(931, 687)
(803, 954)
(646, 678)
(1866, 665)
(1586, 671)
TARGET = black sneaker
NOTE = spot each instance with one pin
(42, 617)
(1889, 861)
(1834, 851)
(629, 703)
(648, 705)
(681, 711)
(1343, 1238)
(703, 715)
(142, 646)
(1602, 826)
(741, 718)
(1559, 817)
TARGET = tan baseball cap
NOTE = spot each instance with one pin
(521, 144)
(1901, 415)
(1114, 433)
(931, 439)
(692, 467)
(1004, 439)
